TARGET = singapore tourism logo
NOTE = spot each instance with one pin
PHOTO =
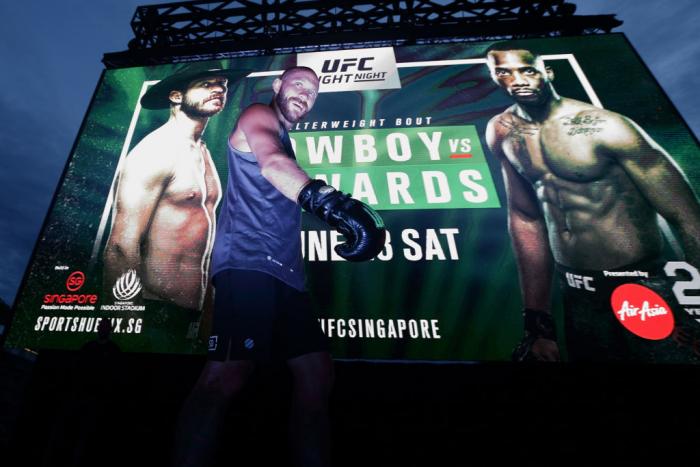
(127, 286)
(69, 301)
(75, 281)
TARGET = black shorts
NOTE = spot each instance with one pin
(258, 317)
(171, 327)
(592, 331)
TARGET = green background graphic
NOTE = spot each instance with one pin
(471, 290)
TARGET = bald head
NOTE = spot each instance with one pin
(295, 70)
(295, 92)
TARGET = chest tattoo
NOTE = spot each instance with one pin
(517, 130)
(586, 125)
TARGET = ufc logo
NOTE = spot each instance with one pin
(576, 281)
(331, 66)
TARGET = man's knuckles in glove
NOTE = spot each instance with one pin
(361, 225)
(364, 235)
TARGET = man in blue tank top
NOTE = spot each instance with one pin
(261, 308)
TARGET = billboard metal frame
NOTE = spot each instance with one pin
(201, 30)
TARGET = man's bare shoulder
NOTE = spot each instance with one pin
(508, 125)
(152, 144)
(578, 110)
(155, 154)
(506, 116)
(571, 108)
(607, 127)
(254, 120)
(258, 114)
(500, 126)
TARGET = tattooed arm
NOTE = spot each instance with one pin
(528, 233)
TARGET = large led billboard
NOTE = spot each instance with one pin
(543, 184)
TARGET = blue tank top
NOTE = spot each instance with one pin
(258, 227)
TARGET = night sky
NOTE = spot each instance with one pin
(51, 61)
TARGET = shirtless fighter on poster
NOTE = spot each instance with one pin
(163, 219)
(584, 187)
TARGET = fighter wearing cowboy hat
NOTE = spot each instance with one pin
(163, 219)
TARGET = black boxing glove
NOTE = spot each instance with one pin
(362, 227)
(539, 324)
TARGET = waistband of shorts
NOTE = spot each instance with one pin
(650, 266)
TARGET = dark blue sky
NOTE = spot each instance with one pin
(51, 54)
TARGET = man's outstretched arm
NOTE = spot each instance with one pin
(261, 127)
(362, 227)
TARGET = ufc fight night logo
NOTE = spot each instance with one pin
(353, 70)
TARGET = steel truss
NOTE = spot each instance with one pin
(218, 29)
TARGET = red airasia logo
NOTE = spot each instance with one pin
(642, 311)
(75, 281)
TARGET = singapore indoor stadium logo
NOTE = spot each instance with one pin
(127, 287)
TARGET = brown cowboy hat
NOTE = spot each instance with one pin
(157, 95)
